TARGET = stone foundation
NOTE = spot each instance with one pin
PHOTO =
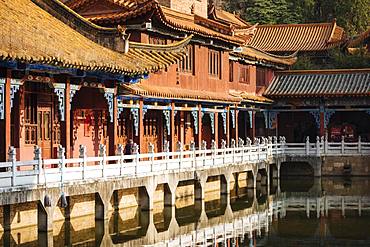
(346, 165)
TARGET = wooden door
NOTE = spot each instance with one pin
(44, 130)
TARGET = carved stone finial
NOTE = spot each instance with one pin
(102, 150)
(120, 149)
(37, 153)
(61, 151)
(179, 147)
(248, 142)
(223, 144)
(240, 142)
(166, 146)
(204, 145)
(233, 143)
(192, 146)
(135, 149)
(150, 148)
(82, 151)
(12, 153)
(213, 145)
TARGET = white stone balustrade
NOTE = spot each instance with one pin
(48, 171)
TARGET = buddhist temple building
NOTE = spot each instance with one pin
(60, 76)
(325, 102)
(167, 74)
(215, 93)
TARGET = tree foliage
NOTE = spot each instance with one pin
(353, 15)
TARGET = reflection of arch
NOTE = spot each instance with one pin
(293, 225)
(348, 228)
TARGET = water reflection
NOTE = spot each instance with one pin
(302, 212)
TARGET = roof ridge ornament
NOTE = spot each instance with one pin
(122, 30)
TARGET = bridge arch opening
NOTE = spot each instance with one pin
(296, 168)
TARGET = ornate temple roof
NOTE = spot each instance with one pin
(37, 32)
(179, 93)
(226, 17)
(249, 97)
(188, 23)
(297, 37)
(320, 83)
(254, 54)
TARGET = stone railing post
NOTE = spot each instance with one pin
(326, 145)
(307, 145)
(151, 155)
(322, 140)
(257, 142)
(248, 145)
(38, 156)
(194, 156)
(318, 146)
(275, 144)
(269, 145)
(283, 143)
(204, 148)
(62, 163)
(83, 155)
(179, 148)
(359, 145)
(12, 153)
(135, 151)
(342, 145)
(213, 149)
(241, 148)
(121, 153)
(103, 155)
(223, 147)
(233, 147)
(166, 150)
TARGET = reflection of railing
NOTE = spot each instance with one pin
(259, 221)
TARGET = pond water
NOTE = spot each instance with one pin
(302, 211)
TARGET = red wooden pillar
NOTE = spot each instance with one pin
(216, 128)
(236, 125)
(199, 126)
(7, 116)
(253, 124)
(322, 127)
(141, 124)
(173, 144)
(228, 126)
(66, 125)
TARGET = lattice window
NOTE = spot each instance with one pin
(244, 74)
(261, 77)
(187, 64)
(231, 71)
(214, 63)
